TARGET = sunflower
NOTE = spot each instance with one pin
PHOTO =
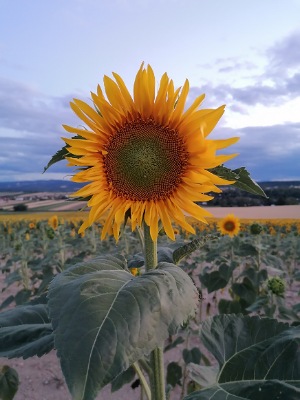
(230, 225)
(53, 222)
(145, 154)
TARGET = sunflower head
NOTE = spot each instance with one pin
(53, 222)
(145, 153)
(230, 225)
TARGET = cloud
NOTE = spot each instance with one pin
(268, 152)
(23, 108)
(30, 129)
(284, 54)
(278, 83)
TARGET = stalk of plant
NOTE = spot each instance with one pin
(157, 380)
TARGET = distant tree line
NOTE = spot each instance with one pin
(20, 207)
(279, 196)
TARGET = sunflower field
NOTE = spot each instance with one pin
(240, 267)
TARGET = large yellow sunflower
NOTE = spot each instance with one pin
(145, 153)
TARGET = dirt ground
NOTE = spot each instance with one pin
(258, 212)
(42, 379)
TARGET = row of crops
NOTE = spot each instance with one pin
(241, 261)
(244, 267)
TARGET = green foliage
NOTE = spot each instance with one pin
(258, 359)
(60, 155)
(174, 374)
(121, 318)
(191, 356)
(216, 279)
(241, 177)
(20, 207)
(121, 380)
(233, 278)
(9, 382)
(25, 331)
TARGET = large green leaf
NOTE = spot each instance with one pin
(105, 319)
(25, 331)
(258, 359)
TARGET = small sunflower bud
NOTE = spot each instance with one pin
(256, 229)
(276, 285)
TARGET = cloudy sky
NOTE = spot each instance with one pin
(245, 54)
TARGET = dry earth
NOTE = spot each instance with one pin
(41, 378)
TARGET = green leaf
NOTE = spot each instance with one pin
(174, 374)
(105, 319)
(246, 249)
(202, 374)
(191, 356)
(259, 303)
(216, 279)
(9, 382)
(259, 358)
(25, 331)
(288, 314)
(241, 177)
(174, 344)
(245, 290)
(60, 155)
(260, 390)
(229, 306)
(256, 277)
(122, 379)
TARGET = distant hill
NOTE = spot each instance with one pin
(55, 186)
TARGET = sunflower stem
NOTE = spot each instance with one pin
(157, 381)
(157, 378)
(150, 249)
(143, 381)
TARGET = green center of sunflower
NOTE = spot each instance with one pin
(229, 226)
(145, 161)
